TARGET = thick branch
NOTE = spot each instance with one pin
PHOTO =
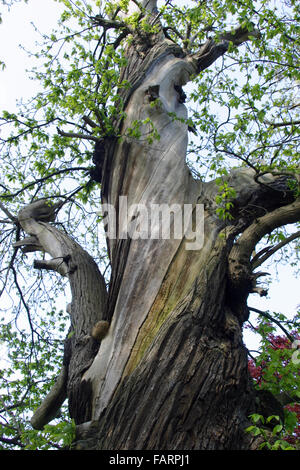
(6, 212)
(240, 35)
(89, 121)
(49, 265)
(209, 53)
(241, 278)
(28, 244)
(245, 245)
(52, 403)
(215, 48)
(108, 23)
(285, 398)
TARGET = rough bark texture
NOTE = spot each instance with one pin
(190, 390)
(172, 371)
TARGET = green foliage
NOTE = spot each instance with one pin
(270, 440)
(136, 130)
(244, 108)
(276, 369)
(27, 374)
(240, 98)
(224, 200)
(58, 436)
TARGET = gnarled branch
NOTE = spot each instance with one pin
(88, 302)
(242, 280)
(245, 245)
(212, 49)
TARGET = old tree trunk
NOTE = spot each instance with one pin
(171, 372)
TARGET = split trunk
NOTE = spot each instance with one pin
(171, 373)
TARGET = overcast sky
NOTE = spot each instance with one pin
(15, 30)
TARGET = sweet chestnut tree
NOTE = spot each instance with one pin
(185, 106)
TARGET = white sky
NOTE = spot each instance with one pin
(284, 295)
(16, 30)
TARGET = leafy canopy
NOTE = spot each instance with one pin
(245, 111)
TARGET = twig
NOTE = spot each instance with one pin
(24, 304)
(12, 441)
(41, 180)
(261, 259)
(283, 124)
(9, 215)
(278, 323)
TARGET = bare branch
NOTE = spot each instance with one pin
(209, 53)
(294, 106)
(259, 260)
(28, 242)
(242, 280)
(75, 135)
(171, 28)
(256, 256)
(45, 178)
(274, 320)
(89, 122)
(281, 216)
(53, 264)
(67, 257)
(9, 215)
(283, 124)
(109, 23)
(239, 35)
(285, 398)
(25, 305)
(52, 402)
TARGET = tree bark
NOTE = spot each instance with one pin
(171, 373)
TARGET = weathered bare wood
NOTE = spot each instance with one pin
(87, 307)
(242, 249)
